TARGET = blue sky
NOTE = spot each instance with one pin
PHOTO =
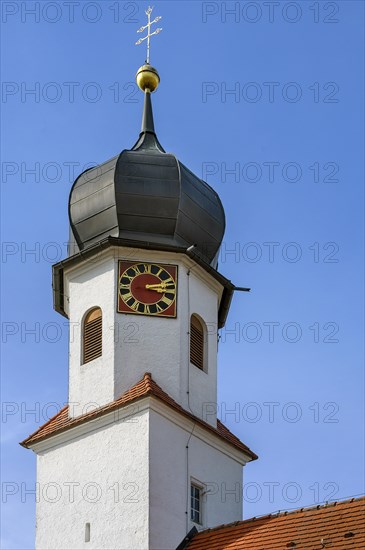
(264, 102)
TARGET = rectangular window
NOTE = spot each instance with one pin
(195, 503)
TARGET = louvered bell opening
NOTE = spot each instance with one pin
(196, 343)
(92, 336)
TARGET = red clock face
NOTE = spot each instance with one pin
(147, 289)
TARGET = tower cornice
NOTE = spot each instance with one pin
(110, 242)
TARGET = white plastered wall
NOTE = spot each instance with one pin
(135, 344)
(173, 466)
(99, 478)
(128, 474)
(91, 385)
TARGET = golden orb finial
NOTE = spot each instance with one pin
(147, 78)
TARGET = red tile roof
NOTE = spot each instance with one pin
(339, 525)
(145, 387)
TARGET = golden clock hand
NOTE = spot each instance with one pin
(156, 288)
(158, 285)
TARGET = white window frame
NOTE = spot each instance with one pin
(200, 487)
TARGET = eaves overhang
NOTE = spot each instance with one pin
(62, 425)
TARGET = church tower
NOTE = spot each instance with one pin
(138, 458)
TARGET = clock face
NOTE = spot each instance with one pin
(147, 289)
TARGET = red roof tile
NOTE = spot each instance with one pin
(145, 387)
(339, 525)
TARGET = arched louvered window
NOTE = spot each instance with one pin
(92, 336)
(197, 342)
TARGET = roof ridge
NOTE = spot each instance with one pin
(282, 513)
(147, 378)
(147, 386)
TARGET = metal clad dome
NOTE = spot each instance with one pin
(147, 195)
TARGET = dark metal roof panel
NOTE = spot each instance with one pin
(201, 219)
(94, 178)
(147, 188)
(101, 199)
(150, 206)
(98, 226)
(145, 193)
(92, 205)
(200, 191)
(148, 225)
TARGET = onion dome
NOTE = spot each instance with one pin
(147, 195)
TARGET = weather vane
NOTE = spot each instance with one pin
(149, 33)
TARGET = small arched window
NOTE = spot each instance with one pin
(92, 336)
(197, 342)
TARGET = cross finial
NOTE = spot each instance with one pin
(149, 33)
